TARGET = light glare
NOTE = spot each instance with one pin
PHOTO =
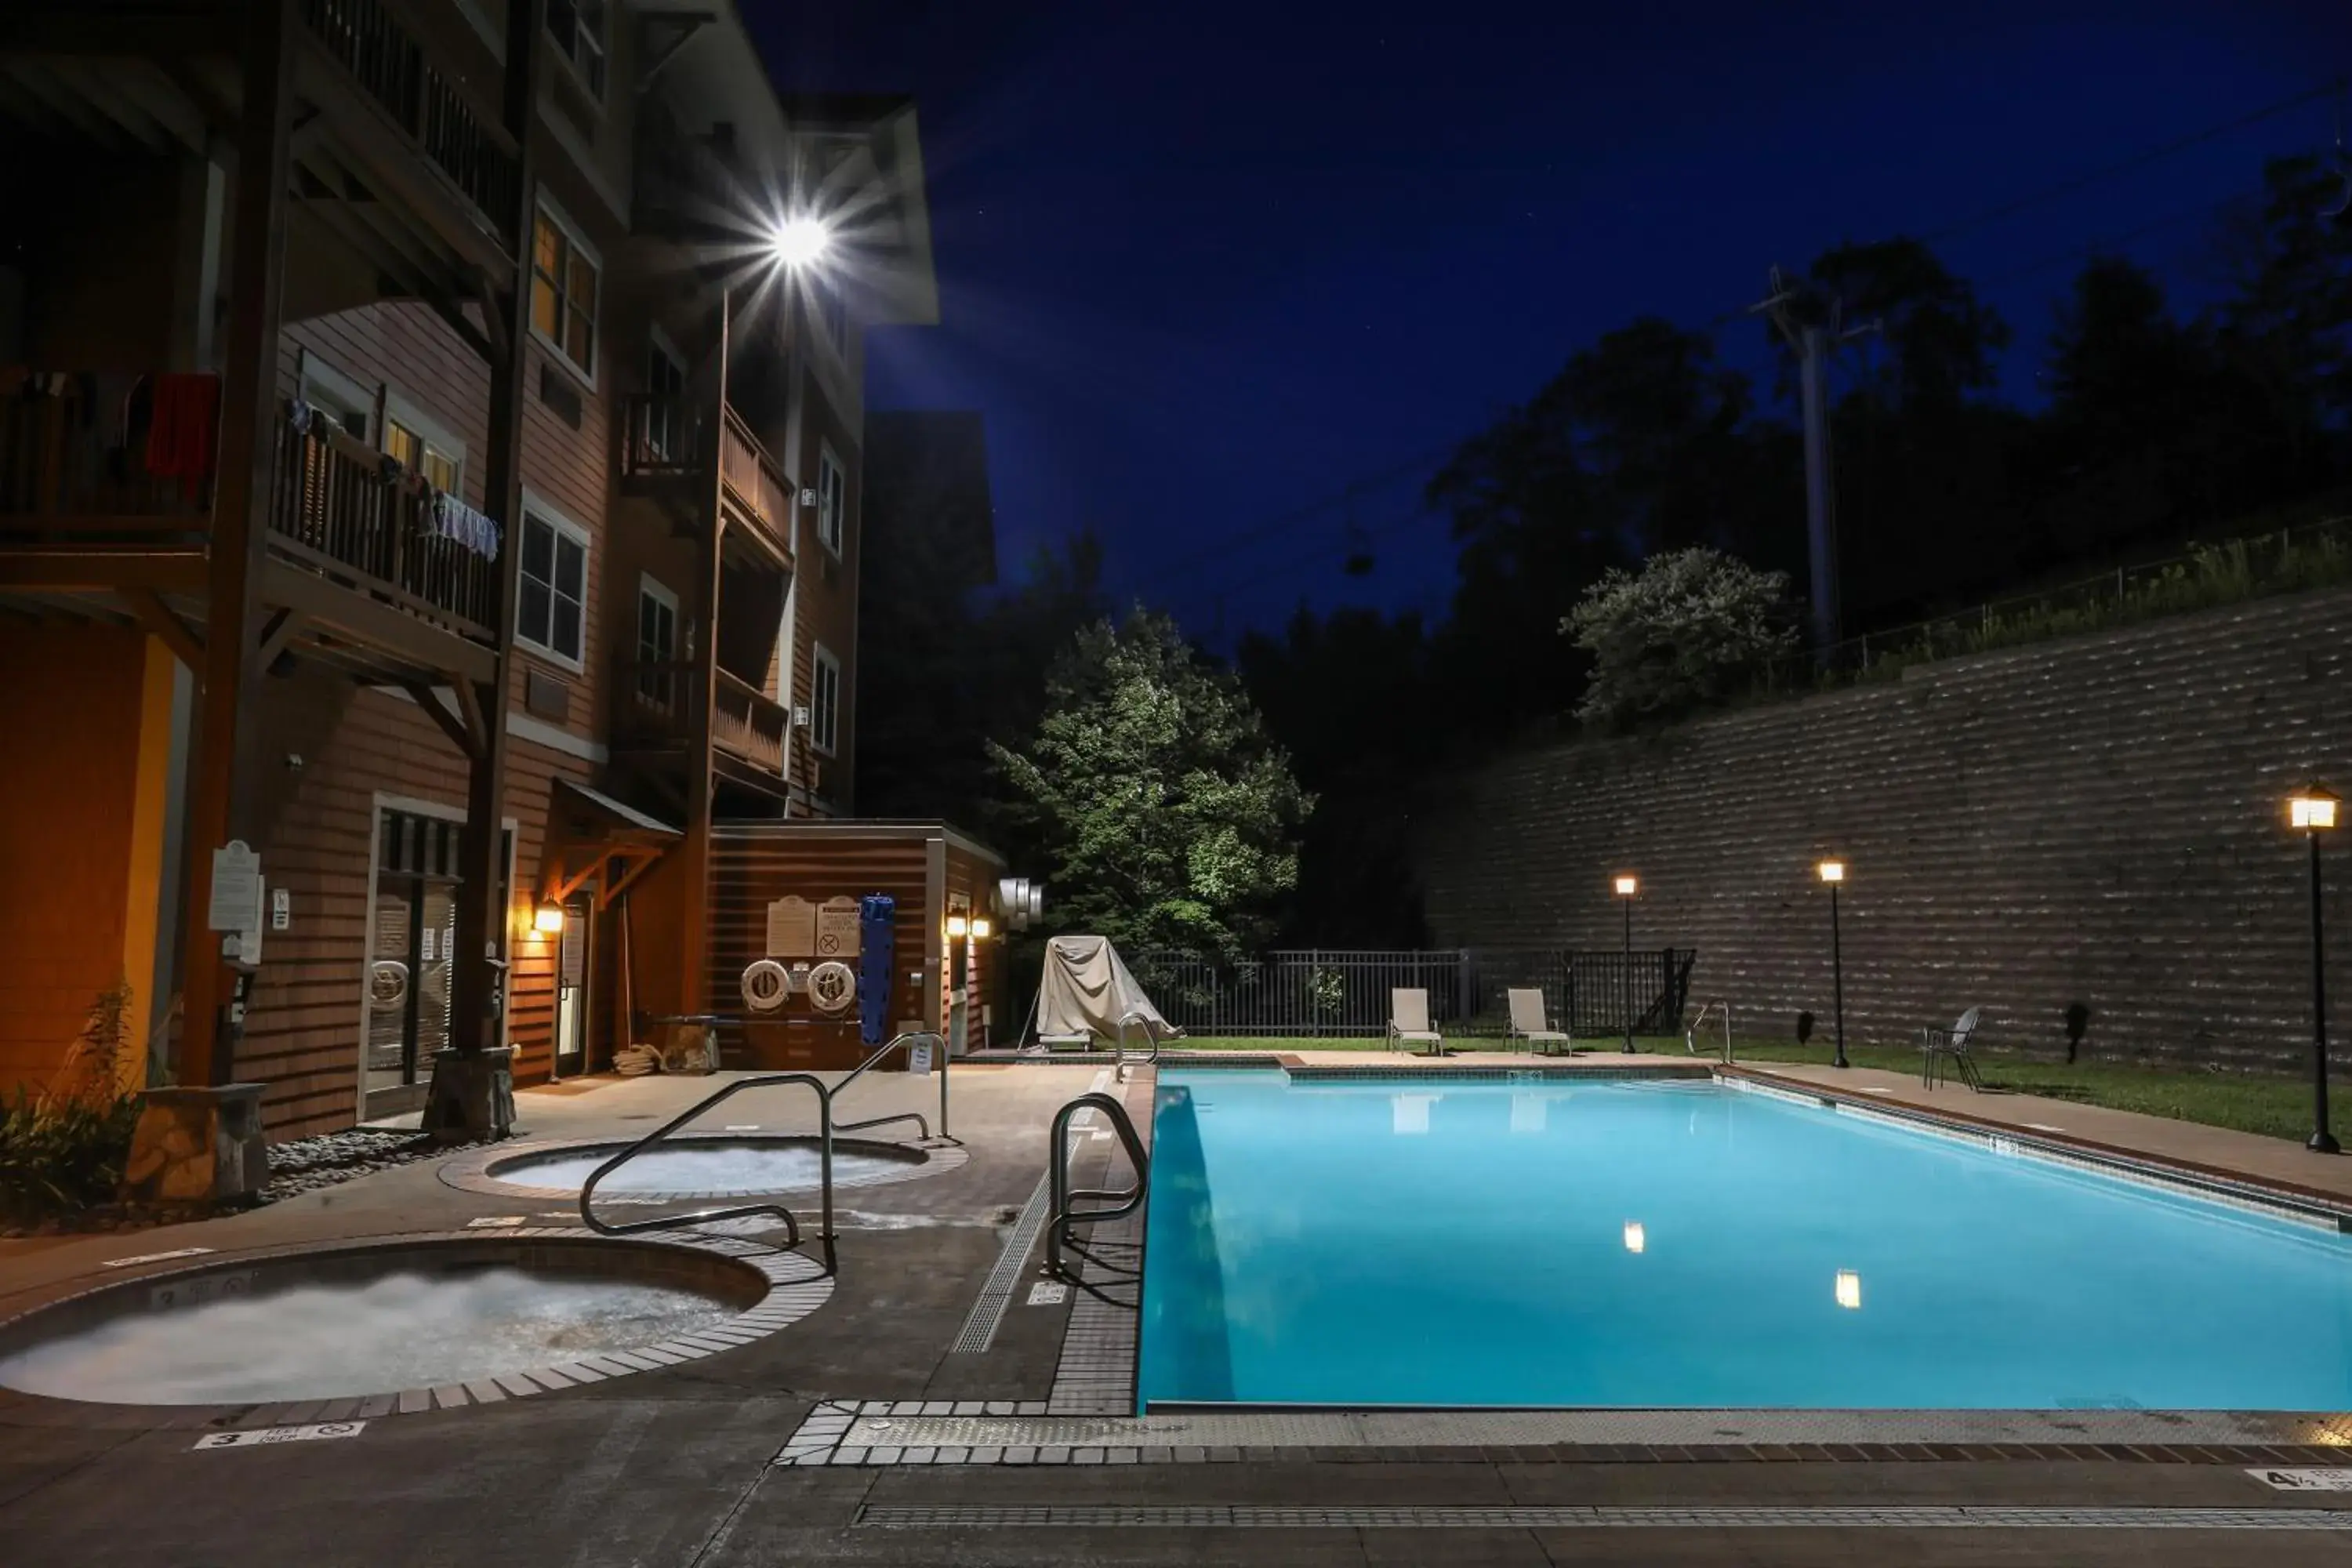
(1635, 1237)
(801, 242)
(1625, 887)
(1833, 871)
(2311, 808)
(1849, 1289)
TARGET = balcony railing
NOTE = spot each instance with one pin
(661, 438)
(78, 459)
(391, 65)
(343, 507)
(655, 703)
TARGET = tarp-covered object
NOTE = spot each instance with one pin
(1085, 990)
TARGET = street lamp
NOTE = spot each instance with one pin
(1834, 872)
(1627, 886)
(2313, 809)
(801, 242)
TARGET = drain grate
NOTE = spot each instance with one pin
(1270, 1516)
(979, 1330)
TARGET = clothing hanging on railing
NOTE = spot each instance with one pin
(183, 441)
(299, 415)
(453, 518)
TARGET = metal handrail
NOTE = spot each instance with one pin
(1690, 1034)
(1058, 1171)
(826, 1127)
(1151, 1038)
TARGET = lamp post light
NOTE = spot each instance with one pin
(1834, 872)
(801, 242)
(1627, 886)
(2313, 809)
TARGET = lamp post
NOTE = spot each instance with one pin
(1627, 886)
(2313, 809)
(1834, 872)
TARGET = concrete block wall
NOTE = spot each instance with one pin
(2099, 819)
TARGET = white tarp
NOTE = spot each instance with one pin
(1085, 990)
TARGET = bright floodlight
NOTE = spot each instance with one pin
(2313, 807)
(801, 242)
(1833, 871)
(1625, 887)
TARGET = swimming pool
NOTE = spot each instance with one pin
(1687, 1244)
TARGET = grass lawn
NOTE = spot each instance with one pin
(2274, 1107)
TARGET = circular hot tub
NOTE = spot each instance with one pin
(730, 1166)
(503, 1316)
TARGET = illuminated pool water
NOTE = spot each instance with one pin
(1684, 1244)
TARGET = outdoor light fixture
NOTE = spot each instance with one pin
(980, 928)
(1627, 886)
(799, 242)
(958, 926)
(548, 919)
(1849, 1289)
(1834, 872)
(2313, 809)
(1634, 1238)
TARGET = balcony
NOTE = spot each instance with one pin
(654, 712)
(661, 454)
(106, 487)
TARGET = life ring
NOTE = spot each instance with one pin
(766, 984)
(833, 986)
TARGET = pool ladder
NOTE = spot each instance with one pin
(1150, 1052)
(1690, 1035)
(1064, 1212)
(826, 1127)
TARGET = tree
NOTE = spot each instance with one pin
(1689, 629)
(1165, 816)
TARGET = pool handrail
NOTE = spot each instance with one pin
(1690, 1034)
(826, 1127)
(1150, 1040)
(1122, 1203)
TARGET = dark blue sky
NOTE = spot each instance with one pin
(1202, 265)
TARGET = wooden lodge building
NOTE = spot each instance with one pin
(417, 467)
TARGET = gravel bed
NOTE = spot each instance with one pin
(330, 1159)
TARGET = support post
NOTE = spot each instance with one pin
(473, 1081)
(694, 925)
(1837, 977)
(220, 798)
(2322, 1140)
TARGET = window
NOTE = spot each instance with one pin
(665, 432)
(563, 281)
(578, 29)
(825, 703)
(441, 467)
(549, 615)
(831, 500)
(337, 395)
(656, 641)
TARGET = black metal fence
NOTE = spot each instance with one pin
(1309, 992)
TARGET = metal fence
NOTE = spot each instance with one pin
(1337, 992)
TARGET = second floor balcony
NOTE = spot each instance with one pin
(653, 712)
(664, 445)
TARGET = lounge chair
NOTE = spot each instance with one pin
(1409, 1022)
(1528, 1024)
(1938, 1045)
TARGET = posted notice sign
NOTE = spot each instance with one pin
(237, 888)
(2331, 1479)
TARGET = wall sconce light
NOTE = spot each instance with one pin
(959, 926)
(548, 919)
(980, 928)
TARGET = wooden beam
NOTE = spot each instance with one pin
(477, 723)
(282, 625)
(635, 864)
(160, 31)
(220, 801)
(142, 102)
(494, 317)
(451, 723)
(175, 634)
(102, 571)
(70, 107)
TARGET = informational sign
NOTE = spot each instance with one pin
(236, 888)
(2326, 1481)
(837, 929)
(202, 1289)
(427, 943)
(265, 1435)
(792, 928)
(281, 909)
(918, 1058)
(1044, 1294)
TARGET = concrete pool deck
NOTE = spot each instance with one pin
(681, 1465)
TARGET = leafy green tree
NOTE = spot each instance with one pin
(1165, 815)
(1690, 628)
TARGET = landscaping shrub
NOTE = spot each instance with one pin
(64, 1148)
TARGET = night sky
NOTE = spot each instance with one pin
(1205, 265)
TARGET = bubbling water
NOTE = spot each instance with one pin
(713, 1167)
(407, 1329)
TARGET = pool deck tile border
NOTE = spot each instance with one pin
(470, 1172)
(797, 1286)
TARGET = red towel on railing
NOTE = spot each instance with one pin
(186, 432)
